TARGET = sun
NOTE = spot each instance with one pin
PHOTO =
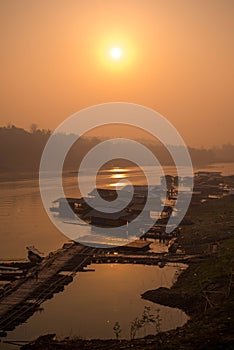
(116, 53)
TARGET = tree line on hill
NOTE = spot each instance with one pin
(21, 150)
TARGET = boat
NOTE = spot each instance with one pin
(34, 255)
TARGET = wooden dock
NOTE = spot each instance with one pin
(23, 297)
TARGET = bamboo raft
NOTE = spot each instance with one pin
(143, 259)
(23, 297)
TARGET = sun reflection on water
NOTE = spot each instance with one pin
(118, 184)
(119, 170)
(118, 176)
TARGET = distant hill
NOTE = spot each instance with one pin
(21, 150)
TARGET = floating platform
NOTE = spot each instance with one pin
(138, 245)
(21, 298)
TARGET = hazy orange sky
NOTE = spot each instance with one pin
(178, 58)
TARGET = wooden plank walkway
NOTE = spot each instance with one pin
(24, 296)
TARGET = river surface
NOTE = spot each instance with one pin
(94, 301)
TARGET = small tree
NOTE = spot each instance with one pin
(136, 325)
(117, 330)
(146, 319)
(157, 321)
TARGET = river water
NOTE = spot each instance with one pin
(94, 301)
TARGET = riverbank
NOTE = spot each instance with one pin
(204, 291)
